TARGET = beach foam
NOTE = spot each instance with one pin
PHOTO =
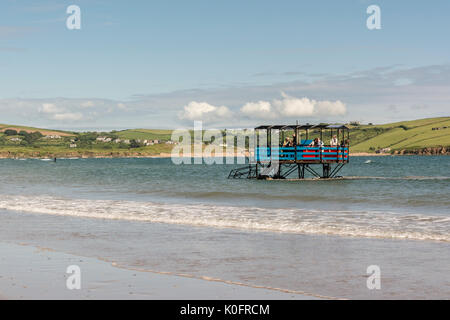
(365, 224)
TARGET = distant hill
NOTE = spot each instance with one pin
(408, 135)
(45, 132)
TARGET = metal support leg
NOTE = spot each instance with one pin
(278, 174)
(326, 170)
(301, 171)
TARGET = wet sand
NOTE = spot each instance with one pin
(28, 272)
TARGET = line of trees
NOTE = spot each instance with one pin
(83, 140)
(10, 132)
(27, 137)
(32, 137)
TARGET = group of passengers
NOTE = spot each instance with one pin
(319, 143)
(289, 142)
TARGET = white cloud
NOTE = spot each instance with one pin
(288, 107)
(68, 116)
(260, 109)
(57, 112)
(336, 108)
(50, 108)
(54, 112)
(204, 111)
(293, 107)
(88, 104)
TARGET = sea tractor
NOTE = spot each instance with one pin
(290, 151)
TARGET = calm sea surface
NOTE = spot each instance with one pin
(315, 236)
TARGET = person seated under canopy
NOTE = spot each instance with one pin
(316, 143)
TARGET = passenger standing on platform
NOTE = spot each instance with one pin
(334, 141)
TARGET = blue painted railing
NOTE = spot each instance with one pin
(301, 153)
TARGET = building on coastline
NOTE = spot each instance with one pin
(104, 139)
(383, 150)
(439, 128)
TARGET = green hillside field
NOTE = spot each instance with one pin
(145, 134)
(407, 135)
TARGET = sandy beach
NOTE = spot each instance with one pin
(30, 273)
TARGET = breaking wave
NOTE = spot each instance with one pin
(364, 224)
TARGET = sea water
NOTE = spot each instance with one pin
(317, 236)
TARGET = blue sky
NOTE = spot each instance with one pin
(163, 64)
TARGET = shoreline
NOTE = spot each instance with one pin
(168, 156)
(36, 269)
